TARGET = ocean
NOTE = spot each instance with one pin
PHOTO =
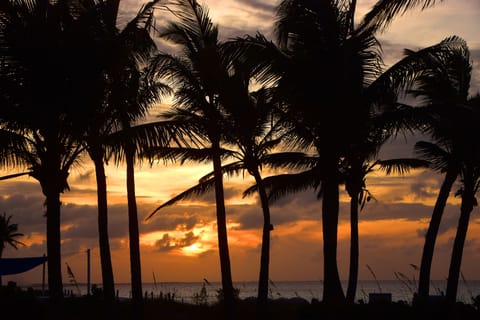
(191, 291)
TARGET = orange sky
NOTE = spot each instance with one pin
(179, 243)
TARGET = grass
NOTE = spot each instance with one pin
(23, 304)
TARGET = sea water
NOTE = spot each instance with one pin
(309, 290)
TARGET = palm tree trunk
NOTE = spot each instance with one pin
(265, 253)
(354, 249)
(104, 244)
(227, 284)
(113, 6)
(134, 236)
(431, 236)
(332, 287)
(53, 204)
(468, 201)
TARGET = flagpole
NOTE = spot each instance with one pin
(43, 277)
(88, 272)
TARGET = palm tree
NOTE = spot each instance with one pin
(359, 161)
(196, 77)
(439, 77)
(447, 95)
(253, 133)
(121, 94)
(8, 234)
(37, 51)
(98, 120)
(469, 150)
(322, 39)
(323, 65)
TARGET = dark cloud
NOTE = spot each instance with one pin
(380, 211)
(26, 211)
(183, 216)
(422, 189)
(168, 243)
(87, 176)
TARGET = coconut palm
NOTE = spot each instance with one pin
(441, 83)
(122, 93)
(454, 152)
(8, 235)
(254, 134)
(196, 77)
(37, 50)
(322, 65)
(361, 160)
(355, 168)
(470, 178)
(331, 62)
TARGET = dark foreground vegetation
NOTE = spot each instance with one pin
(25, 304)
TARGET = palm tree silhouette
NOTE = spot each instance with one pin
(38, 46)
(254, 133)
(8, 235)
(196, 78)
(330, 60)
(440, 76)
(123, 95)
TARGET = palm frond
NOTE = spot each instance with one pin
(15, 175)
(384, 11)
(151, 135)
(400, 78)
(178, 154)
(260, 56)
(440, 158)
(281, 185)
(402, 166)
(289, 160)
(197, 190)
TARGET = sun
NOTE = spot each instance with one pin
(194, 249)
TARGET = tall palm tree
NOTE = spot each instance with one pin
(117, 98)
(470, 178)
(325, 60)
(37, 52)
(196, 77)
(458, 154)
(341, 58)
(8, 235)
(98, 118)
(439, 77)
(359, 161)
(254, 134)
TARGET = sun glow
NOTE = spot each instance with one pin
(194, 249)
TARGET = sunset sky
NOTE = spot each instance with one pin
(179, 243)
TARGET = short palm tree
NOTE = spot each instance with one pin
(8, 235)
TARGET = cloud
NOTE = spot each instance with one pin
(186, 216)
(169, 243)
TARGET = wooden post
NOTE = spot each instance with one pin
(88, 272)
(43, 277)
